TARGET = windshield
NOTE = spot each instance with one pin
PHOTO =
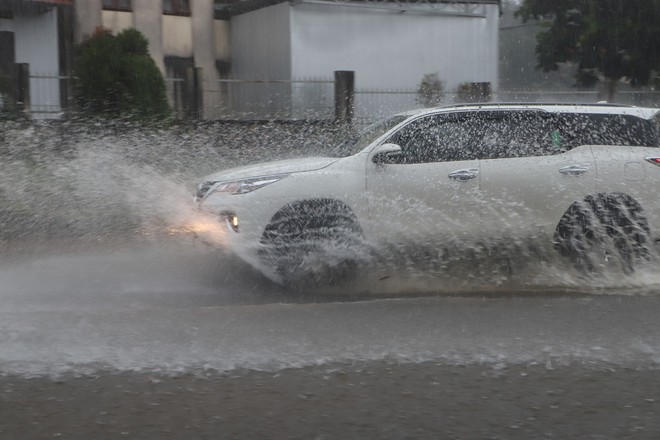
(358, 141)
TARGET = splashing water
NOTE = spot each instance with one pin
(101, 269)
(82, 184)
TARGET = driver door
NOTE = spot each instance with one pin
(431, 190)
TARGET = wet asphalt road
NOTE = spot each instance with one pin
(152, 343)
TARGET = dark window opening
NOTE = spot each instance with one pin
(437, 138)
(519, 134)
(176, 7)
(592, 129)
(117, 5)
(221, 9)
(496, 135)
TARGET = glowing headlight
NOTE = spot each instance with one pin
(246, 185)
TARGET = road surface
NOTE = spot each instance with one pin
(170, 342)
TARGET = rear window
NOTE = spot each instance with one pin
(593, 129)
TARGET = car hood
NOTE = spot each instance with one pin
(270, 168)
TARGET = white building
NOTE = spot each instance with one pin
(33, 32)
(389, 45)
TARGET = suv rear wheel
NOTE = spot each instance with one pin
(604, 231)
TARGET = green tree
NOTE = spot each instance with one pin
(430, 90)
(611, 40)
(118, 77)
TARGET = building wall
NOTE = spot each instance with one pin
(204, 52)
(116, 21)
(389, 49)
(261, 43)
(177, 36)
(148, 19)
(37, 44)
(261, 49)
(221, 36)
(88, 18)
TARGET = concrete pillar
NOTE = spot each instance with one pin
(87, 16)
(344, 96)
(148, 19)
(204, 53)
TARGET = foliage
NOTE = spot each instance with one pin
(430, 90)
(473, 92)
(609, 39)
(118, 77)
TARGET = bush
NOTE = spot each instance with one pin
(430, 90)
(118, 77)
(473, 92)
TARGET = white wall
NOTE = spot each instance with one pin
(147, 18)
(117, 21)
(393, 50)
(88, 18)
(388, 50)
(261, 43)
(177, 36)
(36, 41)
(204, 52)
(261, 49)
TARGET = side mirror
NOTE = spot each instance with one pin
(386, 153)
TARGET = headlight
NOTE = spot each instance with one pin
(242, 186)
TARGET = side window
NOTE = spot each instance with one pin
(116, 5)
(521, 134)
(604, 129)
(436, 138)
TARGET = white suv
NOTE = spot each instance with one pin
(582, 179)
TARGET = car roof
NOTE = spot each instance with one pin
(599, 108)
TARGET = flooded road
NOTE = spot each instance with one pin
(180, 341)
(110, 330)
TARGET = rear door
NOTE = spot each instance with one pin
(622, 145)
(530, 174)
(618, 143)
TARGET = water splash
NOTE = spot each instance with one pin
(100, 269)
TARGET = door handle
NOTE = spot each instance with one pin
(464, 175)
(574, 170)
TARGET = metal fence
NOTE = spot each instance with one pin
(40, 95)
(259, 99)
(50, 96)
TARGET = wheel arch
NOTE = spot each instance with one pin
(615, 215)
(294, 217)
(600, 203)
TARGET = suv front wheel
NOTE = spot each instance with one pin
(314, 242)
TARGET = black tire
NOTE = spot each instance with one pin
(313, 243)
(604, 232)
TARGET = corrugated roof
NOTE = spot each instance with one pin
(56, 2)
(236, 7)
(32, 6)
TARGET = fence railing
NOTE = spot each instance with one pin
(50, 95)
(253, 98)
(41, 95)
(45, 96)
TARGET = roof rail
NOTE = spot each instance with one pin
(532, 104)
